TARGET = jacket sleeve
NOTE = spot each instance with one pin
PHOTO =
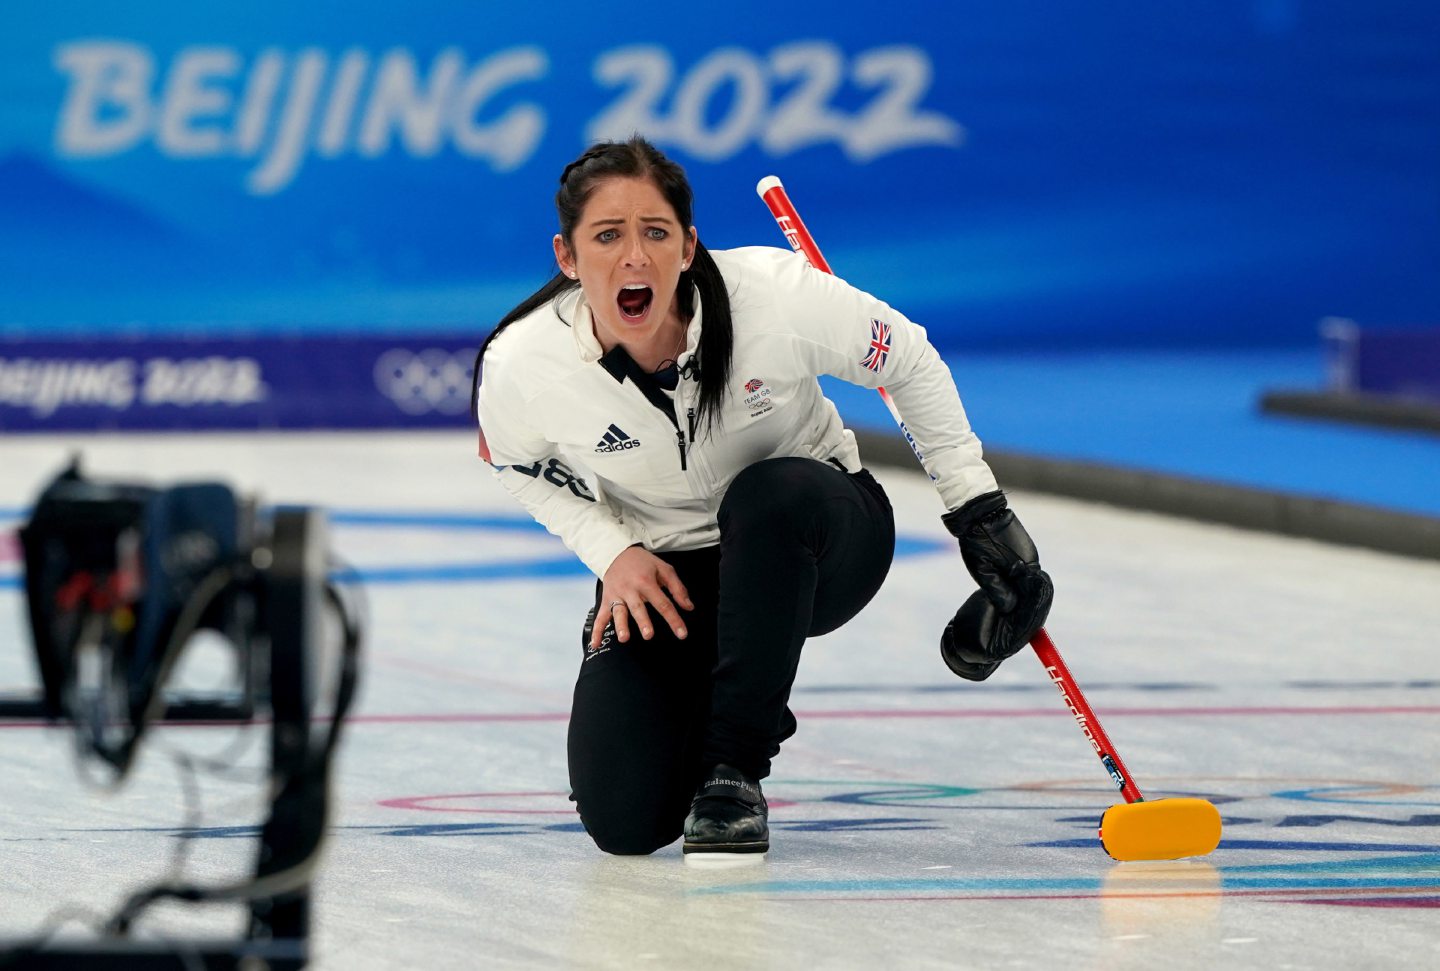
(532, 470)
(843, 331)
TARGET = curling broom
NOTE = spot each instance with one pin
(1165, 829)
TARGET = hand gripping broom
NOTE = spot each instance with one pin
(1166, 829)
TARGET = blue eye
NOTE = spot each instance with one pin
(607, 235)
(657, 233)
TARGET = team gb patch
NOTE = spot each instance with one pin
(757, 397)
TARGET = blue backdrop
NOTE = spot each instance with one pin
(1029, 174)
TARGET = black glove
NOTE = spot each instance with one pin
(1014, 596)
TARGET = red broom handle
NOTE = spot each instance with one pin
(1085, 716)
(775, 197)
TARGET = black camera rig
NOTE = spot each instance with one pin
(118, 579)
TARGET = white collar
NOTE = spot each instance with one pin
(582, 324)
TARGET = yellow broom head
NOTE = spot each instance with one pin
(1166, 829)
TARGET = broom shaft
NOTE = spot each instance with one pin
(1085, 716)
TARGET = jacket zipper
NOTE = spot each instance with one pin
(647, 388)
(680, 438)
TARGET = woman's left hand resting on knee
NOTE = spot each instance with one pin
(636, 578)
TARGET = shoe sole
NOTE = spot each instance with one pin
(727, 847)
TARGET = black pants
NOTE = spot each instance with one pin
(803, 547)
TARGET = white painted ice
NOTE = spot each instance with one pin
(1296, 685)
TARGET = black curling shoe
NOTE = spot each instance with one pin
(728, 815)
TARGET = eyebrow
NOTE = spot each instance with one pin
(644, 219)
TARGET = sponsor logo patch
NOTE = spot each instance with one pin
(592, 652)
(615, 440)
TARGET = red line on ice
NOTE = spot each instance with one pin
(882, 713)
(466, 717)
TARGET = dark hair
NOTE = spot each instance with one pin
(637, 158)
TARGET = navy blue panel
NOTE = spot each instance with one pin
(253, 383)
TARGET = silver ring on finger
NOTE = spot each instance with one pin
(618, 603)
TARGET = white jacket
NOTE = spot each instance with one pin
(602, 468)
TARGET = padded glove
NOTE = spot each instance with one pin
(1014, 596)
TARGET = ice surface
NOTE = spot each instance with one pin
(918, 821)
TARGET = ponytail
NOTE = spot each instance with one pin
(717, 336)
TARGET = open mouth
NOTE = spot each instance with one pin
(634, 301)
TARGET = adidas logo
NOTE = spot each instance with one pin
(616, 440)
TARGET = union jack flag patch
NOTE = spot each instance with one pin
(879, 346)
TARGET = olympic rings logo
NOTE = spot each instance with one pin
(425, 381)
